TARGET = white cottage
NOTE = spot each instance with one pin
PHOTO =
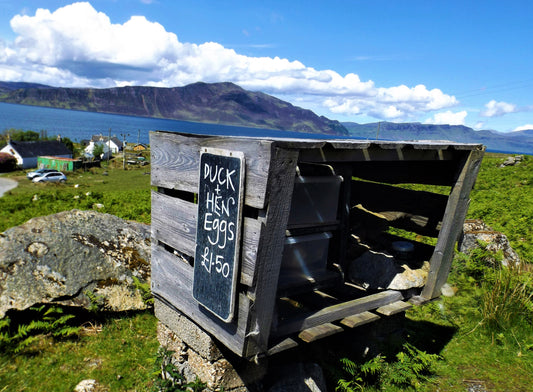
(111, 145)
(27, 153)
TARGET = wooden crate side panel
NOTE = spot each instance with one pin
(174, 223)
(175, 162)
(281, 184)
(452, 225)
(172, 280)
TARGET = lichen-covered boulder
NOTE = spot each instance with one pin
(477, 233)
(74, 258)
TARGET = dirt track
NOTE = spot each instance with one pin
(7, 184)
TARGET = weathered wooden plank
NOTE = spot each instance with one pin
(285, 344)
(417, 211)
(172, 281)
(320, 331)
(356, 320)
(280, 186)
(175, 160)
(373, 153)
(337, 312)
(340, 251)
(291, 143)
(174, 223)
(452, 224)
(393, 308)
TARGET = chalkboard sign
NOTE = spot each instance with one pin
(218, 230)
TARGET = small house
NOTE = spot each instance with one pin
(111, 145)
(27, 153)
(140, 147)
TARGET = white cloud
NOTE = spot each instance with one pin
(496, 109)
(479, 125)
(523, 128)
(448, 117)
(79, 46)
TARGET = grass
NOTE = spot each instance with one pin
(119, 352)
(124, 193)
(483, 335)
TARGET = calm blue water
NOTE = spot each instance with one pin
(78, 125)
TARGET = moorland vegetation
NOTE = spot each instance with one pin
(482, 337)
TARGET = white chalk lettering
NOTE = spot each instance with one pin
(222, 176)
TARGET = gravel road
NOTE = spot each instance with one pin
(6, 184)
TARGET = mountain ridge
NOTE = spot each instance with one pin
(229, 104)
(520, 142)
(219, 103)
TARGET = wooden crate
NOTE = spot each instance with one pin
(268, 318)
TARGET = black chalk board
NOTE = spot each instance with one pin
(218, 230)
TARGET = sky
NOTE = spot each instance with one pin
(436, 62)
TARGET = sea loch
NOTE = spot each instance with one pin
(79, 125)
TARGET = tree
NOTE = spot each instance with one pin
(68, 143)
(98, 150)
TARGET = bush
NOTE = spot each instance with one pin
(7, 162)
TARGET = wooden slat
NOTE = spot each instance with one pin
(174, 223)
(452, 225)
(373, 152)
(175, 160)
(337, 312)
(172, 281)
(285, 344)
(417, 211)
(280, 185)
(320, 331)
(394, 308)
(357, 320)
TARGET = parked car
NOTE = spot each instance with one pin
(39, 172)
(54, 176)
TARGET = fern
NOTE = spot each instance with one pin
(47, 320)
(412, 366)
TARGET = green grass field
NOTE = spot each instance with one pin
(479, 346)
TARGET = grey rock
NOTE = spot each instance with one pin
(63, 257)
(475, 231)
(379, 270)
(511, 161)
(447, 290)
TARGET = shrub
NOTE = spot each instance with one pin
(7, 162)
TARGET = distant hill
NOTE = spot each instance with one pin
(10, 86)
(520, 142)
(219, 103)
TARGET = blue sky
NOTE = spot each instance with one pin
(451, 62)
